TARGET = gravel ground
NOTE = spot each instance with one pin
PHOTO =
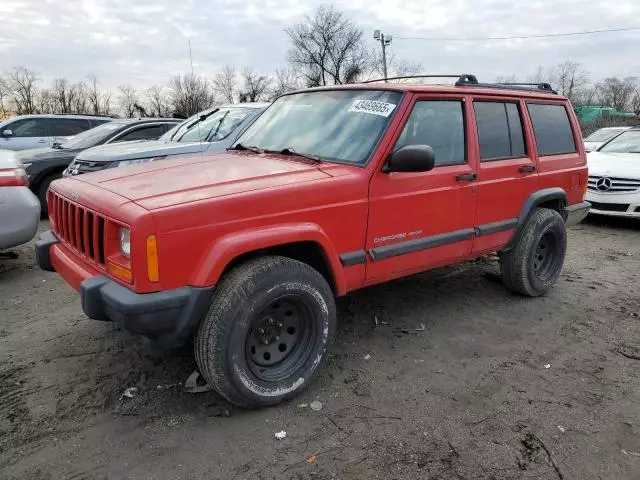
(443, 375)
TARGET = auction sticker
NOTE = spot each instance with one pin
(374, 107)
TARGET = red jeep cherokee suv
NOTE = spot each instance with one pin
(330, 190)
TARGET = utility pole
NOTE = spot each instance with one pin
(384, 41)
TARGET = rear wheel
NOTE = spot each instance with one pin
(534, 263)
(42, 191)
(268, 329)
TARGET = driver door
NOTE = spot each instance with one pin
(419, 220)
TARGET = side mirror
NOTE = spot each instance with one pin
(7, 133)
(411, 158)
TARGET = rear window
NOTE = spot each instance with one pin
(552, 129)
(499, 130)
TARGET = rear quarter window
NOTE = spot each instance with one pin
(552, 129)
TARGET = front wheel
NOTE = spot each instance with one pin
(267, 331)
(534, 263)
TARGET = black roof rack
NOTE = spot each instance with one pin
(469, 80)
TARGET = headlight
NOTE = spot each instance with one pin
(124, 163)
(26, 165)
(125, 241)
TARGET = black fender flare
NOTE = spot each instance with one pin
(533, 201)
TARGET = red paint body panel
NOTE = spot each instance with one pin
(205, 210)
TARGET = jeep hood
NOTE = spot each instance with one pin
(619, 165)
(118, 152)
(184, 179)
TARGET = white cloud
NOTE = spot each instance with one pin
(146, 42)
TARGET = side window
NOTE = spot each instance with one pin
(552, 129)
(28, 127)
(143, 133)
(439, 124)
(67, 127)
(499, 130)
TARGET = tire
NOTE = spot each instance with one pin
(534, 263)
(42, 192)
(263, 302)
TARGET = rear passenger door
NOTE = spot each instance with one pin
(507, 169)
(419, 220)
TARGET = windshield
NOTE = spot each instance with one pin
(92, 137)
(167, 136)
(340, 125)
(211, 126)
(603, 135)
(628, 142)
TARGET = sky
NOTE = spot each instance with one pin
(145, 42)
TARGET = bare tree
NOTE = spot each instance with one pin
(158, 99)
(507, 79)
(540, 75)
(5, 93)
(106, 102)
(396, 67)
(585, 96)
(93, 94)
(127, 98)
(45, 101)
(225, 83)
(616, 93)
(255, 86)
(569, 78)
(327, 48)
(23, 85)
(635, 99)
(285, 80)
(190, 94)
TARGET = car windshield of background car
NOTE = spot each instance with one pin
(92, 137)
(628, 142)
(214, 128)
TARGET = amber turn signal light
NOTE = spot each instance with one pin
(122, 273)
(153, 271)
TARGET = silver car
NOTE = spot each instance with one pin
(210, 131)
(36, 131)
(19, 208)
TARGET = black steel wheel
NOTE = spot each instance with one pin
(280, 338)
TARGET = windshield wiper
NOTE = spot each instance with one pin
(251, 148)
(291, 151)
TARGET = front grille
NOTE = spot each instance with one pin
(618, 185)
(78, 227)
(610, 207)
(84, 166)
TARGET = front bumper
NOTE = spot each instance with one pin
(19, 216)
(574, 214)
(615, 204)
(168, 317)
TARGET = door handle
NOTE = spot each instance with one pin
(527, 169)
(42, 140)
(466, 178)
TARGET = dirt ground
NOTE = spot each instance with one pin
(443, 375)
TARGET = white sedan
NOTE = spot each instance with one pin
(614, 176)
(19, 208)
